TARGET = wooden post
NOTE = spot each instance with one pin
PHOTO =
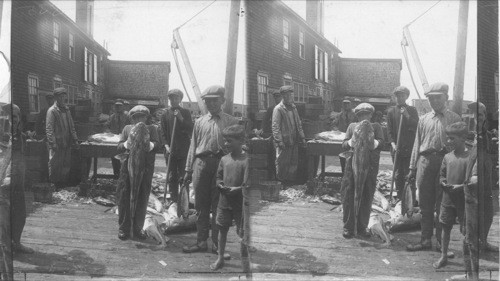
(180, 45)
(458, 85)
(232, 48)
(414, 54)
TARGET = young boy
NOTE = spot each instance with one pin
(232, 176)
(137, 114)
(452, 177)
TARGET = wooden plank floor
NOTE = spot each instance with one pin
(300, 240)
(76, 241)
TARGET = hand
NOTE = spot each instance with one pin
(405, 112)
(456, 187)
(346, 146)
(188, 177)
(178, 115)
(412, 174)
(167, 149)
(281, 145)
(394, 146)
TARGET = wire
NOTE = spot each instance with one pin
(196, 14)
(409, 69)
(180, 74)
(423, 13)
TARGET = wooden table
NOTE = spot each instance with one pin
(91, 150)
(322, 149)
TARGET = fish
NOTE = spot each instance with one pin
(330, 200)
(104, 201)
(403, 223)
(362, 143)
(152, 229)
(377, 227)
(154, 203)
(380, 200)
(138, 145)
(407, 201)
(183, 201)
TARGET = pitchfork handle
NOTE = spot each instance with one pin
(397, 151)
(170, 157)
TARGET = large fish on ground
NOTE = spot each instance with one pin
(377, 227)
(183, 201)
(152, 229)
(362, 142)
(138, 145)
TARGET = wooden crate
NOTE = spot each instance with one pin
(43, 192)
(259, 161)
(270, 190)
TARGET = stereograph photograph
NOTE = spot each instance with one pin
(249, 140)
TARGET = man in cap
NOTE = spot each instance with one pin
(268, 118)
(206, 149)
(287, 135)
(182, 137)
(40, 126)
(407, 137)
(345, 118)
(428, 151)
(364, 112)
(61, 136)
(116, 122)
(126, 107)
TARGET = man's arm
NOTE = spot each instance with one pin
(49, 129)
(390, 123)
(154, 139)
(416, 146)
(278, 138)
(348, 136)
(165, 127)
(123, 138)
(192, 148)
(413, 120)
(442, 174)
(188, 121)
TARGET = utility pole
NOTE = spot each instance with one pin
(458, 85)
(414, 54)
(232, 48)
(177, 44)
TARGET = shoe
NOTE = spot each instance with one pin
(490, 247)
(122, 235)
(422, 246)
(347, 234)
(198, 247)
(215, 251)
(140, 236)
(364, 234)
(20, 248)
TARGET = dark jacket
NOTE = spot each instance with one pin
(56, 135)
(116, 127)
(408, 128)
(183, 131)
(282, 127)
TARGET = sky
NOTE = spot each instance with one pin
(5, 48)
(373, 29)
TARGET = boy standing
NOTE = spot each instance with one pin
(137, 114)
(452, 177)
(232, 176)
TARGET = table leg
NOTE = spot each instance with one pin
(94, 176)
(323, 167)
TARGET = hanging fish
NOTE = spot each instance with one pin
(138, 145)
(183, 201)
(407, 201)
(362, 142)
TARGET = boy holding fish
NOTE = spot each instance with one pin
(365, 140)
(232, 176)
(452, 177)
(136, 174)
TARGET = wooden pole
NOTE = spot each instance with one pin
(232, 47)
(414, 54)
(458, 85)
(180, 45)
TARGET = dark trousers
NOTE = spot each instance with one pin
(177, 171)
(430, 194)
(401, 170)
(116, 166)
(348, 187)
(6, 263)
(123, 194)
(206, 196)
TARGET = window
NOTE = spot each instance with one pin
(71, 47)
(286, 35)
(90, 72)
(56, 37)
(320, 64)
(34, 98)
(302, 52)
(301, 91)
(71, 94)
(262, 81)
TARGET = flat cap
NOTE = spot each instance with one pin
(60, 91)
(364, 107)
(11, 109)
(438, 88)
(126, 102)
(346, 101)
(49, 95)
(175, 92)
(286, 89)
(477, 106)
(138, 109)
(401, 90)
(118, 102)
(276, 92)
(214, 91)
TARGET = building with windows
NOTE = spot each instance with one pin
(50, 50)
(285, 49)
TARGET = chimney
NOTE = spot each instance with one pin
(315, 15)
(85, 16)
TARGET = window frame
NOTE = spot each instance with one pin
(286, 35)
(262, 96)
(36, 94)
(90, 67)
(71, 47)
(302, 45)
(56, 37)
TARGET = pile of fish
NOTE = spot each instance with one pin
(105, 138)
(329, 136)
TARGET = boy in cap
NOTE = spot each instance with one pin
(206, 150)
(407, 137)
(182, 138)
(363, 111)
(61, 136)
(117, 121)
(427, 155)
(138, 113)
(452, 177)
(232, 178)
(287, 135)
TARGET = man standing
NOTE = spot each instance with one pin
(345, 118)
(206, 150)
(40, 132)
(268, 118)
(428, 151)
(61, 136)
(287, 135)
(182, 137)
(407, 137)
(117, 121)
